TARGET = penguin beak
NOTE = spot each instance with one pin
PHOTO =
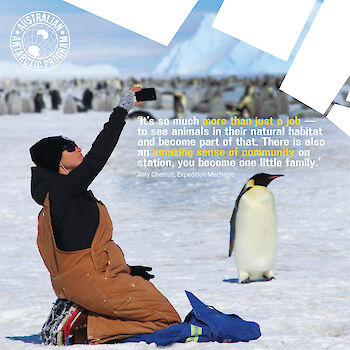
(272, 177)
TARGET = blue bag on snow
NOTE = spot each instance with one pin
(203, 324)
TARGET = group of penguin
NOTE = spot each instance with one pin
(13, 103)
(253, 233)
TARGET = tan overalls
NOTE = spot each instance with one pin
(97, 278)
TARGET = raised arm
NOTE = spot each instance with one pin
(79, 179)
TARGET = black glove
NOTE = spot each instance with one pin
(141, 271)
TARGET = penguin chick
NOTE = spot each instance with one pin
(253, 235)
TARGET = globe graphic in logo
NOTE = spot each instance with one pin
(40, 41)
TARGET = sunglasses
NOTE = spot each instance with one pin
(70, 146)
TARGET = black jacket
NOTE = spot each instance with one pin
(74, 213)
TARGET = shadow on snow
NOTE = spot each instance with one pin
(231, 280)
(32, 339)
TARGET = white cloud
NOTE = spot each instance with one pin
(105, 53)
(10, 69)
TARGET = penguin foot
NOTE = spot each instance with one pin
(266, 279)
(246, 281)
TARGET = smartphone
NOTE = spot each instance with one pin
(148, 94)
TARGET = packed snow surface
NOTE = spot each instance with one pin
(180, 227)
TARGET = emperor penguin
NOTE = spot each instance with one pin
(253, 236)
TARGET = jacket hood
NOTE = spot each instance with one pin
(42, 182)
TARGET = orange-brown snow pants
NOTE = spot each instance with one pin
(98, 278)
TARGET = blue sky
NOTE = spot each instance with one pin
(95, 40)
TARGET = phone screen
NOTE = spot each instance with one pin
(148, 94)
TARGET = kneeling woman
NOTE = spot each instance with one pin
(75, 241)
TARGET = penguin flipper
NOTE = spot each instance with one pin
(233, 220)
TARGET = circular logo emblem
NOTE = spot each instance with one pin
(40, 40)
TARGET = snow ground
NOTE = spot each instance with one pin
(180, 227)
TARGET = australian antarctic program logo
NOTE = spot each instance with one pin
(40, 40)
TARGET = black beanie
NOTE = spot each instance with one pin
(48, 152)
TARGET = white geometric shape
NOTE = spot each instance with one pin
(157, 20)
(270, 25)
(340, 116)
(322, 64)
